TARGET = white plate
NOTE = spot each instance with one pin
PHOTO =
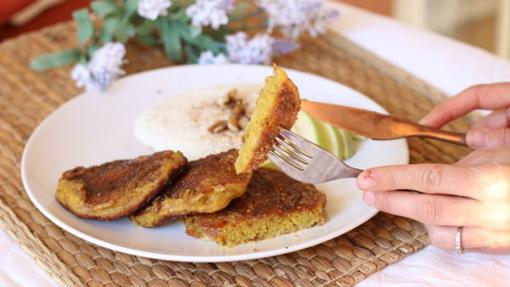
(94, 128)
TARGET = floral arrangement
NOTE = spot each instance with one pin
(198, 31)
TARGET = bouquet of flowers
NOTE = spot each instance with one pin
(192, 31)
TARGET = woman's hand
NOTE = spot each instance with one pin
(493, 130)
(473, 193)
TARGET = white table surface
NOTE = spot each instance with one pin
(446, 64)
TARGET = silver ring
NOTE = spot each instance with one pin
(458, 241)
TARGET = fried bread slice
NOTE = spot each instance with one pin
(274, 204)
(207, 185)
(118, 188)
(277, 107)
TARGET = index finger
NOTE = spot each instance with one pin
(489, 96)
(427, 178)
(498, 119)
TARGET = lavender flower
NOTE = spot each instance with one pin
(293, 17)
(318, 23)
(212, 13)
(152, 9)
(104, 68)
(242, 50)
(283, 46)
(81, 75)
(208, 58)
(258, 50)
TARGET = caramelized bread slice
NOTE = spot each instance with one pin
(207, 185)
(277, 107)
(273, 204)
(118, 188)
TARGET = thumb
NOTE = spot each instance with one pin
(487, 138)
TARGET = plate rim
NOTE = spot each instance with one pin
(191, 258)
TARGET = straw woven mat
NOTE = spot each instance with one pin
(27, 97)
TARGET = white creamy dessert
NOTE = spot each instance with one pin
(183, 122)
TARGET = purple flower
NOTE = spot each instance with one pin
(292, 17)
(283, 46)
(152, 9)
(208, 58)
(212, 13)
(104, 68)
(242, 50)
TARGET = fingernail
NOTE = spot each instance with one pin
(368, 197)
(366, 180)
(476, 138)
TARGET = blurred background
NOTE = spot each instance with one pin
(482, 23)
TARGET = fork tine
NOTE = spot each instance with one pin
(283, 154)
(319, 166)
(284, 165)
(308, 148)
(291, 151)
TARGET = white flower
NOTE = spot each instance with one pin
(241, 50)
(317, 23)
(104, 68)
(210, 12)
(81, 75)
(293, 17)
(208, 57)
(152, 9)
(284, 14)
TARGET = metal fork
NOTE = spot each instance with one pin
(305, 161)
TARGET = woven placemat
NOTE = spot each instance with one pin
(27, 97)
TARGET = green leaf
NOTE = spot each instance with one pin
(146, 27)
(205, 42)
(85, 27)
(109, 27)
(195, 31)
(179, 15)
(92, 49)
(147, 39)
(145, 32)
(131, 7)
(219, 34)
(102, 8)
(121, 33)
(170, 36)
(192, 54)
(58, 59)
(123, 30)
(131, 31)
(200, 41)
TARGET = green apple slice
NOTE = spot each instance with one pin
(304, 126)
(337, 141)
(330, 142)
(326, 136)
(346, 144)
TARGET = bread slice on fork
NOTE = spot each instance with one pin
(276, 108)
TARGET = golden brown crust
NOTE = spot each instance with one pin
(271, 197)
(118, 188)
(284, 115)
(277, 107)
(207, 185)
